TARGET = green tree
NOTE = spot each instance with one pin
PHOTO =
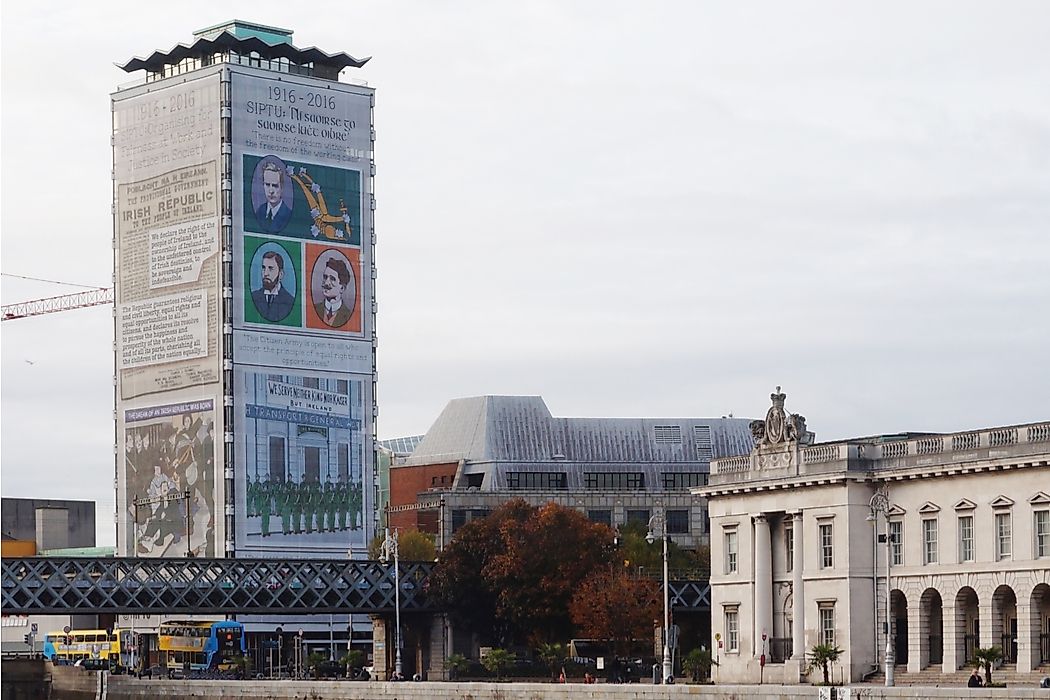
(613, 605)
(497, 661)
(412, 545)
(636, 552)
(986, 658)
(823, 655)
(552, 655)
(697, 663)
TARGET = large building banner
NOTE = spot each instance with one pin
(302, 453)
(302, 313)
(169, 461)
(166, 170)
(167, 211)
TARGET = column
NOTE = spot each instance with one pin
(915, 632)
(953, 631)
(763, 583)
(379, 651)
(1027, 657)
(438, 653)
(798, 597)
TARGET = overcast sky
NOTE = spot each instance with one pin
(630, 209)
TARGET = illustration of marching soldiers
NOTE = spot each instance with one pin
(304, 507)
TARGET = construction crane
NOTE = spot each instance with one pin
(65, 302)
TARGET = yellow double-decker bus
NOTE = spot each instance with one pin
(81, 645)
(199, 645)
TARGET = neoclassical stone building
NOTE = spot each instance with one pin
(799, 550)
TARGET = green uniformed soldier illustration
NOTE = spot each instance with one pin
(262, 506)
(250, 498)
(296, 492)
(283, 501)
(328, 499)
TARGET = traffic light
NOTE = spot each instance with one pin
(28, 638)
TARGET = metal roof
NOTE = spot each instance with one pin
(244, 45)
(521, 428)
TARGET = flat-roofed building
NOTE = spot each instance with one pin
(796, 561)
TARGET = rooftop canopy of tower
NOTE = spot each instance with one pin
(244, 43)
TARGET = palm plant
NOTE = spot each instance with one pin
(986, 658)
(823, 655)
(697, 663)
(551, 655)
(497, 661)
(456, 664)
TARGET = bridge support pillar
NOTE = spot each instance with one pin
(440, 629)
(380, 656)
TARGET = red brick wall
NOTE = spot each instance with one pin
(407, 482)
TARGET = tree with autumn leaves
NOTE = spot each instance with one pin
(540, 575)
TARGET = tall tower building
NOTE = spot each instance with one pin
(244, 300)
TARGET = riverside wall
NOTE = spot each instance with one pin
(73, 683)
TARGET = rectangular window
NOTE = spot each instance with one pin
(732, 630)
(537, 480)
(789, 547)
(897, 542)
(929, 541)
(678, 522)
(634, 481)
(827, 624)
(1041, 528)
(1003, 536)
(827, 546)
(600, 516)
(638, 516)
(681, 481)
(731, 547)
(966, 538)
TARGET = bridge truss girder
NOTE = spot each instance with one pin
(208, 586)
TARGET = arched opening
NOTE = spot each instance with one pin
(967, 625)
(1004, 622)
(899, 616)
(1040, 625)
(931, 634)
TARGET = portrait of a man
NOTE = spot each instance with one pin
(274, 213)
(331, 307)
(272, 300)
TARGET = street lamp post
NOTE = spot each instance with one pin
(650, 538)
(390, 550)
(880, 503)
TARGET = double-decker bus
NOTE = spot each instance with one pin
(201, 644)
(102, 646)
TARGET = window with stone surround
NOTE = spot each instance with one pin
(731, 551)
(897, 542)
(732, 629)
(827, 623)
(929, 541)
(1003, 535)
(966, 550)
(827, 545)
(677, 522)
(789, 547)
(1041, 529)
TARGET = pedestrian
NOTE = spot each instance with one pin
(561, 677)
(975, 680)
